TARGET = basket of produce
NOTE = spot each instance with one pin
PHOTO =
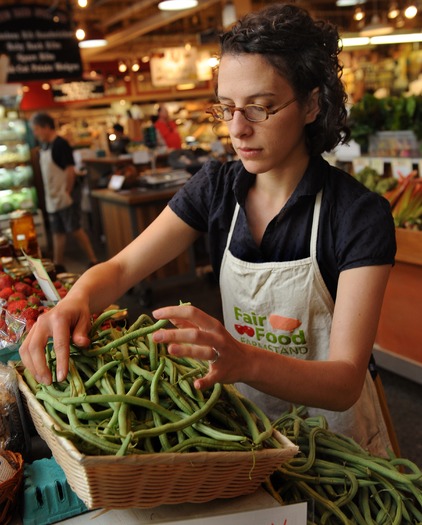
(11, 474)
(129, 429)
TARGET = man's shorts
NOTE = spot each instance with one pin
(67, 220)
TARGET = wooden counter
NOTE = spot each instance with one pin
(398, 341)
(127, 213)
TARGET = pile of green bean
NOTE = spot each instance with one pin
(345, 483)
(126, 395)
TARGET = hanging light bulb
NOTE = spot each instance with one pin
(135, 66)
(393, 11)
(122, 67)
(82, 3)
(80, 33)
(411, 11)
(359, 14)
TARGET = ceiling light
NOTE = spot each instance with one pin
(359, 14)
(136, 66)
(80, 33)
(348, 3)
(411, 11)
(376, 27)
(393, 11)
(405, 38)
(177, 5)
(122, 67)
(93, 38)
(396, 38)
(82, 3)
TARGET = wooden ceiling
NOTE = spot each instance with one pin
(137, 27)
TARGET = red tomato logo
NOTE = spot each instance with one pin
(244, 329)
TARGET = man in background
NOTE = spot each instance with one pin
(62, 190)
(118, 146)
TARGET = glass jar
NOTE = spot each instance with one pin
(24, 235)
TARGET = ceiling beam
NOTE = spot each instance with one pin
(130, 33)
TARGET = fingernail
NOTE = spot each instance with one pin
(158, 336)
(61, 375)
(157, 313)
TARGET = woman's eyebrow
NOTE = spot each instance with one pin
(252, 96)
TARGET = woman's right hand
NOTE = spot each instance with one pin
(69, 318)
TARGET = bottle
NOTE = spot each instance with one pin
(24, 235)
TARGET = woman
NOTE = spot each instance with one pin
(302, 250)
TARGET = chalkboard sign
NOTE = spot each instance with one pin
(39, 43)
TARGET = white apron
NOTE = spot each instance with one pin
(285, 307)
(55, 182)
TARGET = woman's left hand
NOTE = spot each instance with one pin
(200, 336)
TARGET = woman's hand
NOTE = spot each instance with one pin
(68, 317)
(201, 336)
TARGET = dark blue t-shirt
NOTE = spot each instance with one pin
(356, 227)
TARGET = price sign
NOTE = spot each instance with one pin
(39, 43)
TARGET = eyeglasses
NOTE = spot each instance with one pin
(251, 112)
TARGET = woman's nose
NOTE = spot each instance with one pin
(239, 126)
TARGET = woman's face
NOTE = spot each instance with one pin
(274, 145)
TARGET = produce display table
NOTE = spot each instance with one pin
(125, 214)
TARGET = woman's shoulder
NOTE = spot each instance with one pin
(345, 192)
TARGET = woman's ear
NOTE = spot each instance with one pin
(313, 106)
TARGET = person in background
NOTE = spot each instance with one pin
(301, 249)
(167, 128)
(62, 190)
(118, 146)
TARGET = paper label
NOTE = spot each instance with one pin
(43, 279)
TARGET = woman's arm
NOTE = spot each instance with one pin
(165, 239)
(334, 384)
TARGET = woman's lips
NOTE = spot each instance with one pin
(249, 153)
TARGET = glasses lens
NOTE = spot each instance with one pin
(221, 112)
(255, 113)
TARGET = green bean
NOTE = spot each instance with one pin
(155, 399)
(86, 435)
(89, 383)
(204, 443)
(126, 338)
(104, 316)
(213, 432)
(125, 445)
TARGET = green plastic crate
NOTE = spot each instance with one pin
(47, 496)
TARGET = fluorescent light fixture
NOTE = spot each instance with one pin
(93, 38)
(397, 39)
(177, 5)
(355, 41)
(348, 3)
(404, 38)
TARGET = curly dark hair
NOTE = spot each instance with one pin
(305, 52)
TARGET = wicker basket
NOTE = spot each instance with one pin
(151, 480)
(9, 489)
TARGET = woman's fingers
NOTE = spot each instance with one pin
(187, 315)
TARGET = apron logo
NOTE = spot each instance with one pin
(251, 324)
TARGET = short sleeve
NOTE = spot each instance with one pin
(366, 233)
